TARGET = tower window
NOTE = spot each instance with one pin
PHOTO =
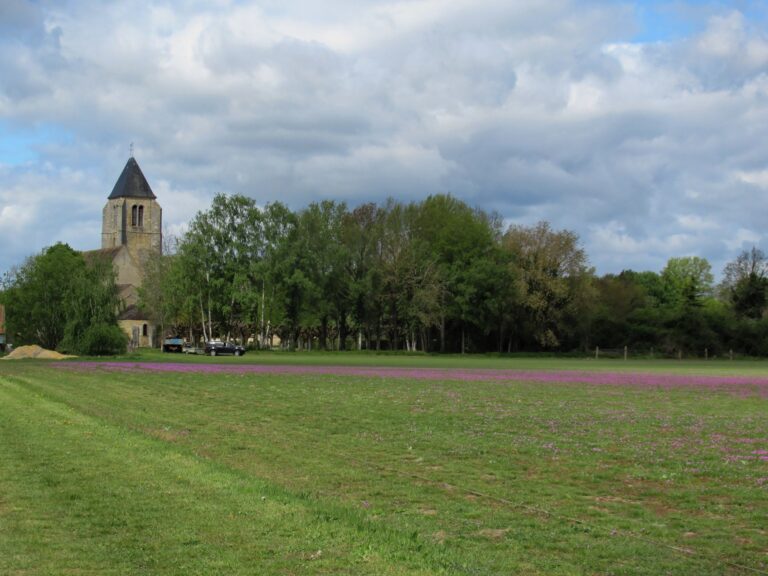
(141, 215)
(144, 330)
(135, 215)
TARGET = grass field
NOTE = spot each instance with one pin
(141, 472)
(471, 361)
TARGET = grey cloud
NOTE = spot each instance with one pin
(527, 109)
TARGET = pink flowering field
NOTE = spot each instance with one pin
(237, 467)
(738, 384)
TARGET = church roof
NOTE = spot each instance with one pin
(132, 183)
(132, 312)
(90, 256)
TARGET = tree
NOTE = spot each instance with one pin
(687, 279)
(36, 296)
(163, 295)
(619, 298)
(687, 283)
(278, 225)
(552, 268)
(460, 242)
(59, 301)
(745, 283)
(322, 258)
(220, 257)
(92, 304)
(361, 236)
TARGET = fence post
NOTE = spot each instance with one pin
(706, 353)
(625, 352)
(730, 353)
(597, 352)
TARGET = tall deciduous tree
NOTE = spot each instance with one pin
(361, 235)
(165, 294)
(688, 278)
(36, 298)
(92, 305)
(687, 283)
(219, 257)
(552, 268)
(460, 241)
(745, 283)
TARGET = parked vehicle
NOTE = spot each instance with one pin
(217, 348)
(189, 348)
(173, 344)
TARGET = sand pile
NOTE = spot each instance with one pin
(35, 352)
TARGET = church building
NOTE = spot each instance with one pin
(131, 233)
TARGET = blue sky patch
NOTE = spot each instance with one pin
(665, 20)
(23, 145)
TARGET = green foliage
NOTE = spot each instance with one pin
(745, 283)
(433, 275)
(102, 339)
(37, 295)
(553, 273)
(219, 260)
(92, 304)
(686, 280)
(59, 301)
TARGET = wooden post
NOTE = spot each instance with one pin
(730, 353)
(706, 353)
(625, 352)
(597, 352)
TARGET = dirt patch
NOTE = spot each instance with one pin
(34, 351)
(494, 533)
(440, 536)
(167, 434)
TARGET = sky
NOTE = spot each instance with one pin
(641, 126)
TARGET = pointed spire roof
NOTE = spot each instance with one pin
(132, 183)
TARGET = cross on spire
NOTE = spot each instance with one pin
(131, 148)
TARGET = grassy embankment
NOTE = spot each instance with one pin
(138, 473)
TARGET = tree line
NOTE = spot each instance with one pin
(436, 276)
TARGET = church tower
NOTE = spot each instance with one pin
(132, 217)
(131, 232)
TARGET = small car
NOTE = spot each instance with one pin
(218, 348)
(189, 348)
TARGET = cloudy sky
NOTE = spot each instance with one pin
(642, 126)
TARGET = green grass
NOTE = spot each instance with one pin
(139, 473)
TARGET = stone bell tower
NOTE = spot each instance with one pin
(132, 218)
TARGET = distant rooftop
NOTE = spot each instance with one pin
(132, 183)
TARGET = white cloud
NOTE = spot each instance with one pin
(743, 238)
(757, 178)
(696, 223)
(539, 110)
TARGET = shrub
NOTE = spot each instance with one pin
(102, 340)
